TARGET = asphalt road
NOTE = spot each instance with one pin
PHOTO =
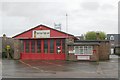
(60, 69)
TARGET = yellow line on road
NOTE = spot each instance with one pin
(33, 66)
(30, 65)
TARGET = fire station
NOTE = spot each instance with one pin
(45, 43)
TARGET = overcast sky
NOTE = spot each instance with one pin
(83, 15)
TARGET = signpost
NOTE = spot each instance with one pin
(8, 51)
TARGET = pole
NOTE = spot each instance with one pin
(66, 22)
(67, 36)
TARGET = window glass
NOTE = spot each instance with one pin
(33, 46)
(45, 46)
(58, 42)
(51, 46)
(83, 49)
(90, 50)
(22, 46)
(27, 46)
(77, 51)
(38, 46)
(58, 46)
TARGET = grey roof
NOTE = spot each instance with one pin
(116, 38)
(89, 41)
(82, 44)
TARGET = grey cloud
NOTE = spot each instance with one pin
(90, 5)
(86, 16)
(107, 7)
(28, 9)
(26, 14)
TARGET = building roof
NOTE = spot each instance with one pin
(115, 40)
(85, 41)
(42, 38)
(39, 26)
(83, 44)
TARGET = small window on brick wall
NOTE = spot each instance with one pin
(83, 50)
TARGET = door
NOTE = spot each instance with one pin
(44, 49)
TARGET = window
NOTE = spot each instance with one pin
(58, 42)
(33, 46)
(51, 46)
(89, 49)
(38, 46)
(22, 46)
(77, 50)
(27, 46)
(45, 46)
(58, 46)
(83, 50)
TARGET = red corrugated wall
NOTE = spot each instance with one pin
(43, 56)
(53, 33)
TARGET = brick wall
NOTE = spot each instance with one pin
(72, 57)
(17, 48)
(15, 45)
(95, 56)
(104, 50)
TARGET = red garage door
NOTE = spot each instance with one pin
(44, 49)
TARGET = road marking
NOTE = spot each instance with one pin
(35, 67)
(30, 65)
(53, 64)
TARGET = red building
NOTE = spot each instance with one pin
(46, 43)
(43, 43)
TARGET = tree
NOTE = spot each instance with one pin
(92, 35)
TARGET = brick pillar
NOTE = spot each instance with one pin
(17, 49)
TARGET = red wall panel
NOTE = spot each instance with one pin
(43, 56)
(53, 33)
(48, 56)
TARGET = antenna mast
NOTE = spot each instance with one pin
(66, 22)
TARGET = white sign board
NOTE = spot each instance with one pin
(41, 34)
(83, 57)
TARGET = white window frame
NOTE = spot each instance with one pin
(86, 50)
